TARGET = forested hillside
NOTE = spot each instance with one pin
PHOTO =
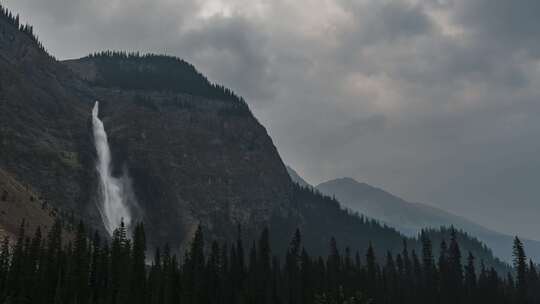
(44, 269)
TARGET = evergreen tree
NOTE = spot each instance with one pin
(520, 264)
(4, 268)
(138, 267)
(371, 265)
(95, 283)
(429, 278)
(444, 274)
(470, 280)
(89, 272)
(79, 274)
(292, 269)
(333, 267)
(263, 292)
(15, 278)
(455, 269)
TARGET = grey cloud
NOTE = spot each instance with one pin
(510, 24)
(387, 20)
(231, 50)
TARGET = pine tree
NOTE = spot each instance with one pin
(138, 267)
(417, 276)
(371, 265)
(4, 268)
(444, 274)
(79, 272)
(520, 264)
(391, 274)
(470, 280)
(533, 283)
(120, 265)
(196, 268)
(292, 270)
(95, 275)
(333, 266)
(155, 284)
(237, 267)
(15, 278)
(306, 277)
(429, 278)
(455, 268)
(213, 274)
(264, 257)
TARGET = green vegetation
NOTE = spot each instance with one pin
(151, 72)
(26, 29)
(86, 269)
(324, 218)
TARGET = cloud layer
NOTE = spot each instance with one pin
(435, 100)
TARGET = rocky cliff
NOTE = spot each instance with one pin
(195, 153)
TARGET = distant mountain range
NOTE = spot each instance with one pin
(409, 218)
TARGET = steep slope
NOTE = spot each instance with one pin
(18, 203)
(295, 177)
(193, 159)
(44, 137)
(410, 218)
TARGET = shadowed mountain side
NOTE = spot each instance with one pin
(18, 203)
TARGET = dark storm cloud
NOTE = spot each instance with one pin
(435, 100)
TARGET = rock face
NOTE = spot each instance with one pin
(192, 159)
(195, 153)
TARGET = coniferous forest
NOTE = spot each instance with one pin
(76, 268)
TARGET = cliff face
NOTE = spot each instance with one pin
(192, 160)
(195, 153)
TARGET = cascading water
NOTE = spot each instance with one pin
(113, 206)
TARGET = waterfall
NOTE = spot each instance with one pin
(113, 191)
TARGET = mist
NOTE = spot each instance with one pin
(113, 192)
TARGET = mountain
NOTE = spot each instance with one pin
(410, 218)
(18, 201)
(295, 177)
(191, 151)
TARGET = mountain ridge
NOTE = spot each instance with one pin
(410, 217)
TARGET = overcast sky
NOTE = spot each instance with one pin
(437, 101)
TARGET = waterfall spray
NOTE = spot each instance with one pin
(113, 205)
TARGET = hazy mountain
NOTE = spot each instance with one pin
(410, 218)
(295, 177)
